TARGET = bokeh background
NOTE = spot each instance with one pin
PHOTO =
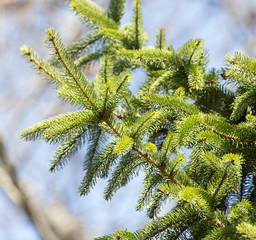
(36, 204)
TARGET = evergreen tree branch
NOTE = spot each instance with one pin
(52, 38)
(143, 123)
(93, 13)
(42, 65)
(199, 41)
(178, 217)
(88, 58)
(145, 155)
(157, 165)
(116, 9)
(65, 151)
(160, 39)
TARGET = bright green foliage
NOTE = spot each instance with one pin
(193, 139)
(160, 39)
(247, 230)
(92, 13)
(116, 9)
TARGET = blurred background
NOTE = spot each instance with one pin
(36, 204)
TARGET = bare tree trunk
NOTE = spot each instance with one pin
(53, 222)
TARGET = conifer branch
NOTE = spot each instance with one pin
(116, 9)
(122, 82)
(161, 41)
(63, 151)
(178, 108)
(193, 52)
(88, 58)
(157, 165)
(128, 104)
(137, 45)
(119, 116)
(106, 81)
(93, 13)
(222, 181)
(41, 65)
(167, 222)
(169, 144)
(111, 126)
(94, 149)
(233, 61)
(145, 155)
(141, 125)
(226, 135)
(105, 100)
(173, 102)
(88, 179)
(72, 74)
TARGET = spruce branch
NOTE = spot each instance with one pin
(93, 13)
(71, 70)
(116, 9)
(179, 128)
(145, 155)
(199, 41)
(157, 165)
(160, 39)
(88, 58)
(42, 65)
(143, 123)
(65, 151)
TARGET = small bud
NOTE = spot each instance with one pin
(204, 138)
(233, 161)
(118, 237)
(185, 200)
(241, 216)
(194, 88)
(159, 122)
(223, 76)
(233, 190)
(193, 171)
(51, 37)
(164, 192)
(212, 81)
(139, 156)
(151, 215)
(165, 60)
(158, 59)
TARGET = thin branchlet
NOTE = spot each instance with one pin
(52, 39)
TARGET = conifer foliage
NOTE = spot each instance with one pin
(182, 107)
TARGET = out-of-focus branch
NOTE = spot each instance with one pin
(52, 222)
